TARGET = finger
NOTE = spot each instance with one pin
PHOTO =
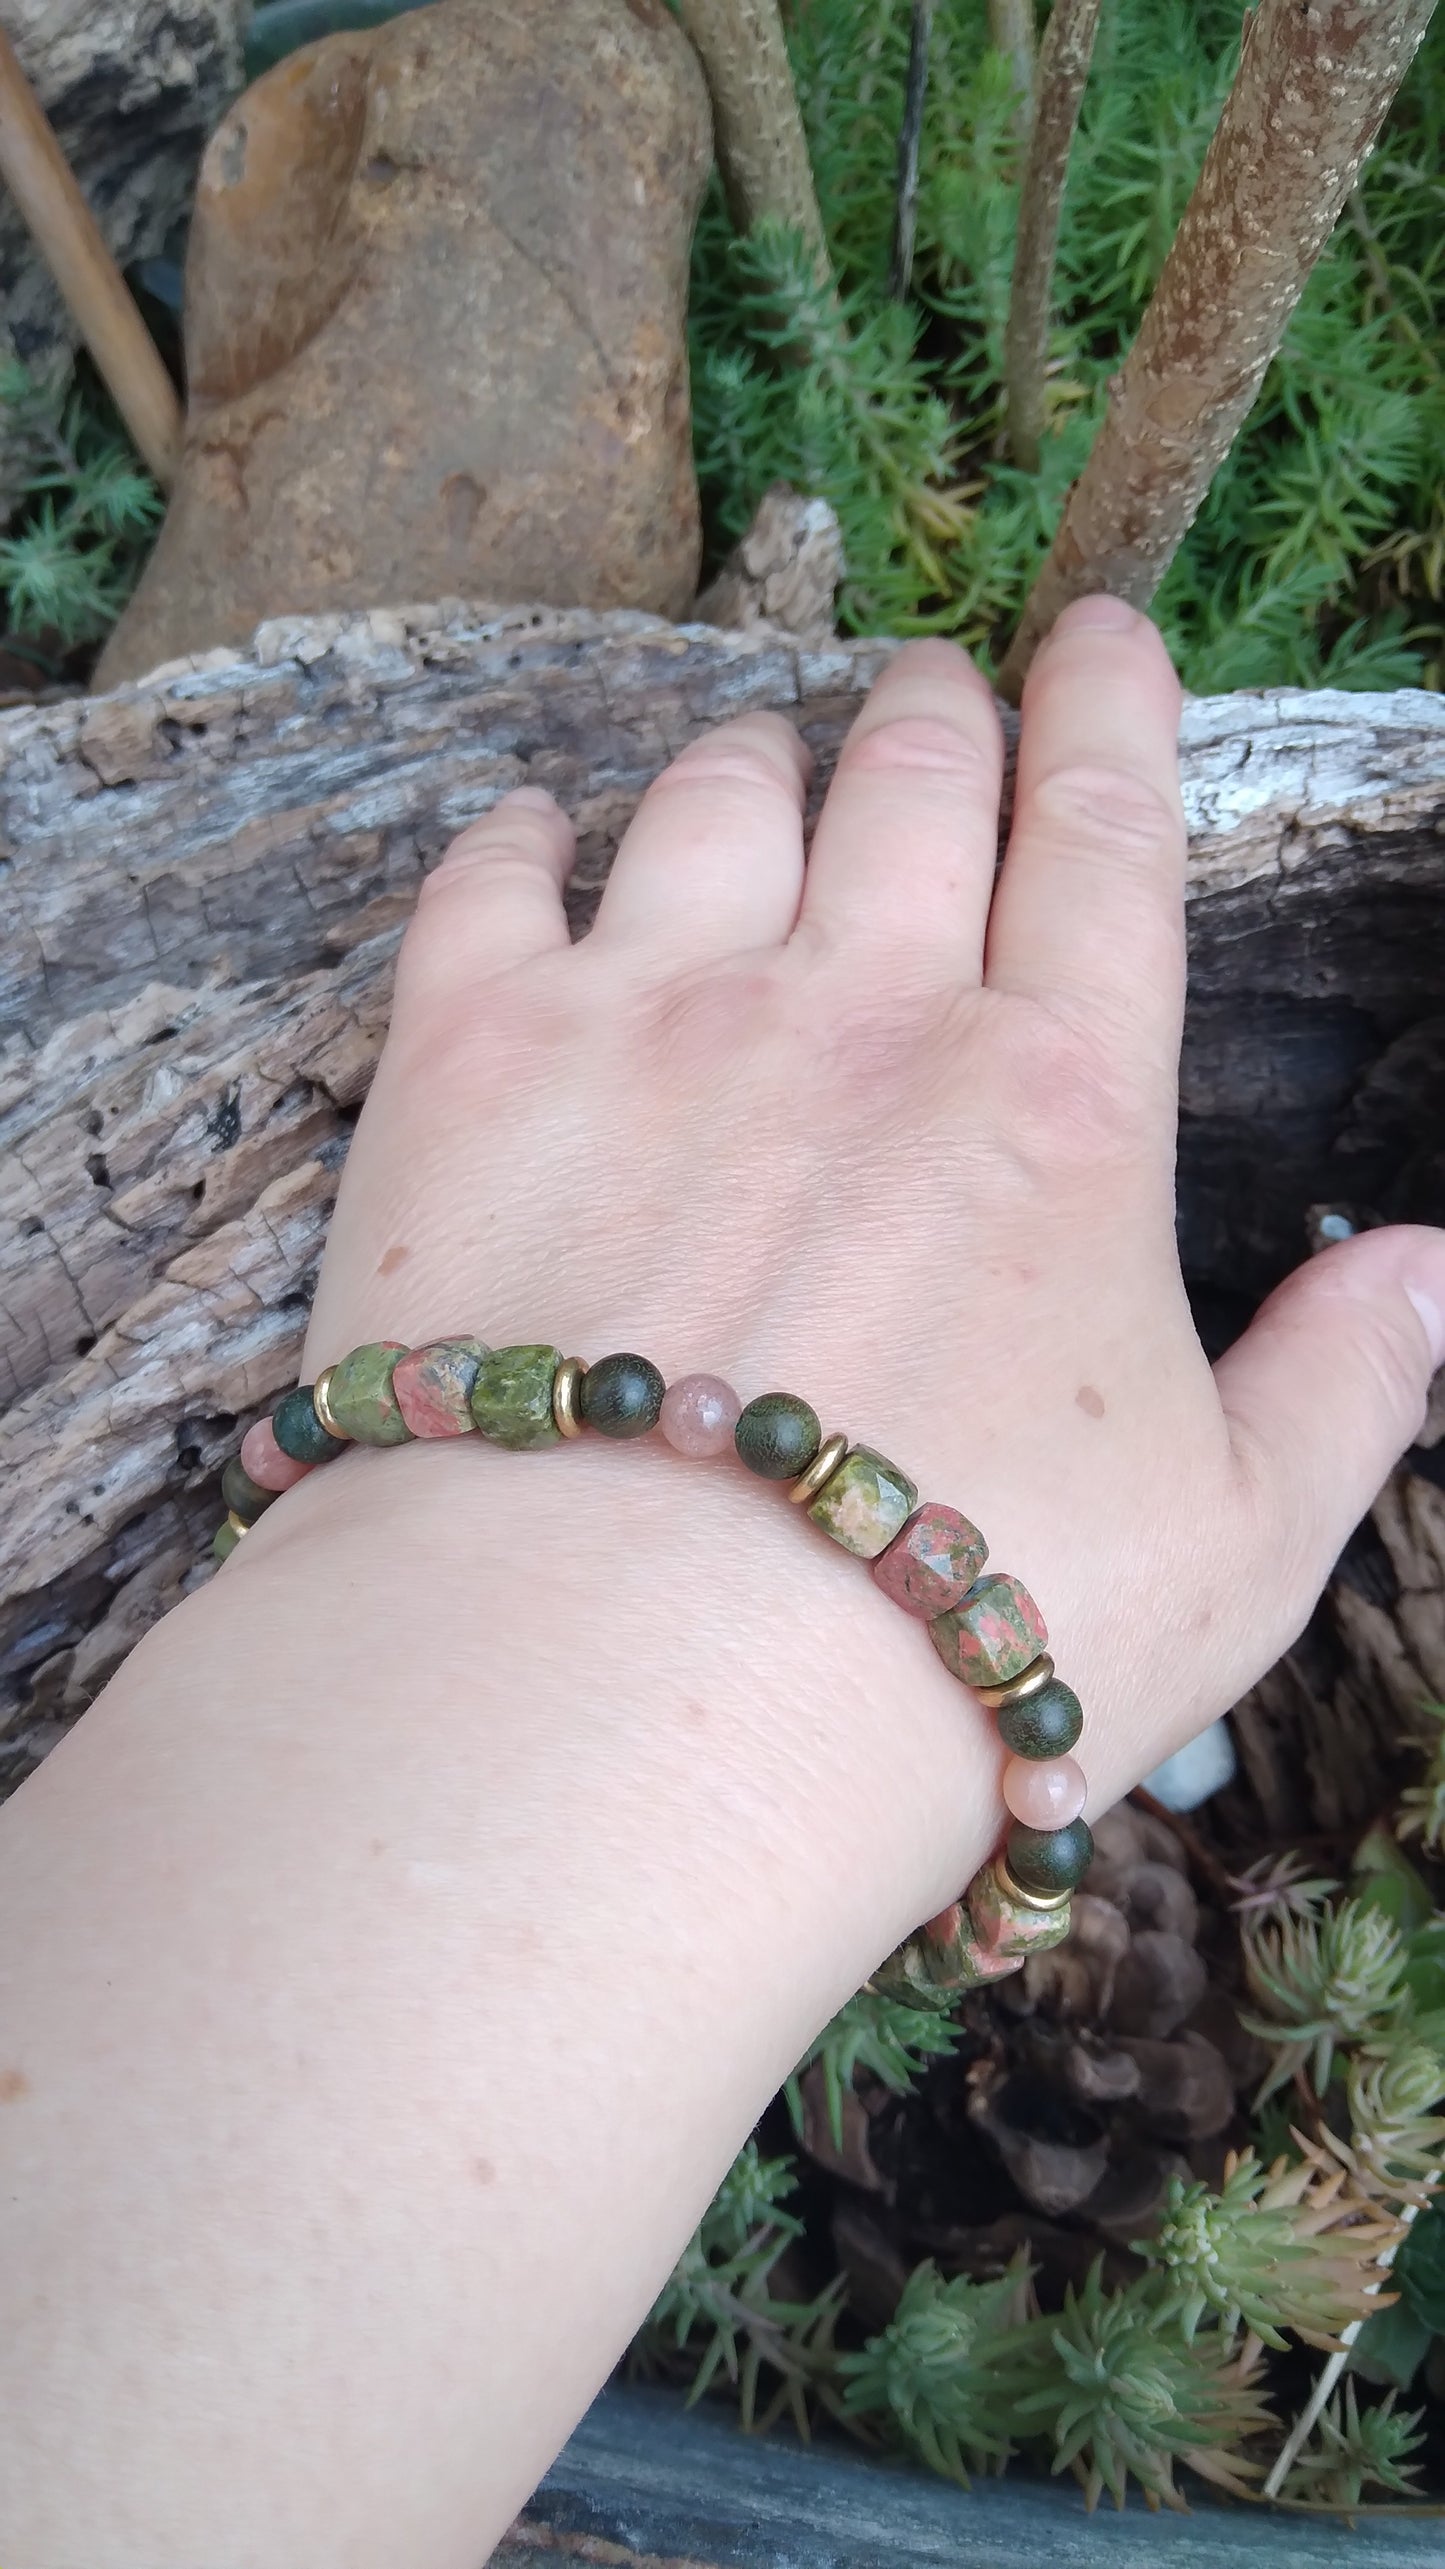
(1088, 917)
(904, 852)
(713, 861)
(1327, 1388)
(494, 901)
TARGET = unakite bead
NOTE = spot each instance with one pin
(777, 1436)
(243, 1494)
(864, 1503)
(1043, 1725)
(1049, 1860)
(512, 1397)
(360, 1396)
(622, 1396)
(224, 1541)
(992, 1634)
(433, 1386)
(299, 1432)
(933, 1562)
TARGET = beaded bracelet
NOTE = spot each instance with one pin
(928, 1559)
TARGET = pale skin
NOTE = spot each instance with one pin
(395, 1957)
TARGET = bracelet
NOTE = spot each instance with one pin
(928, 1559)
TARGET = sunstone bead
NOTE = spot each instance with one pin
(433, 1386)
(864, 1503)
(699, 1414)
(299, 1432)
(1044, 1792)
(1049, 1859)
(242, 1494)
(777, 1436)
(1046, 1724)
(360, 1397)
(621, 1396)
(992, 1634)
(224, 1541)
(269, 1468)
(512, 1397)
(932, 1563)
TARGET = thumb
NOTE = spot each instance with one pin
(1329, 1385)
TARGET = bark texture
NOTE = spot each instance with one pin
(1314, 82)
(1064, 58)
(207, 874)
(910, 138)
(1012, 27)
(762, 151)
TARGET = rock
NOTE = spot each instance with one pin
(784, 573)
(133, 88)
(436, 328)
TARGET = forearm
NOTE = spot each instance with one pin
(394, 1959)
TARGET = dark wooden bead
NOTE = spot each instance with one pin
(1042, 1725)
(777, 1436)
(299, 1432)
(621, 1396)
(242, 1495)
(1049, 1860)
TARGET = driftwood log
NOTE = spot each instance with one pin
(206, 875)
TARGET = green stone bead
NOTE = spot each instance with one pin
(241, 1493)
(224, 1542)
(777, 1436)
(512, 1397)
(360, 1397)
(1049, 1860)
(299, 1432)
(621, 1396)
(864, 1503)
(1042, 1725)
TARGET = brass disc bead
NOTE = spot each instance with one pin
(566, 1385)
(832, 1452)
(1028, 1682)
(236, 1523)
(322, 1406)
(1045, 1901)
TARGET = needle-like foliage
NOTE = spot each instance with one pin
(1422, 1805)
(85, 510)
(1321, 1983)
(1276, 2248)
(878, 2038)
(718, 2304)
(930, 2374)
(1354, 2449)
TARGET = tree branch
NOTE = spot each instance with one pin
(1312, 90)
(910, 136)
(762, 150)
(1063, 69)
(1011, 31)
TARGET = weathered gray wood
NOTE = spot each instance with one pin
(205, 879)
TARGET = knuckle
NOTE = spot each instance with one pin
(1071, 1109)
(1109, 812)
(916, 745)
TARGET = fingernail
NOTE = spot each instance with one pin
(1098, 614)
(536, 798)
(1431, 1317)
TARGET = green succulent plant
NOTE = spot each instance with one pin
(878, 2037)
(1422, 1805)
(718, 2302)
(930, 2373)
(1323, 1983)
(1355, 2449)
(84, 509)
(1396, 2138)
(1264, 2254)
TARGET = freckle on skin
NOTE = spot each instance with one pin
(484, 2172)
(1090, 1401)
(396, 1256)
(13, 2084)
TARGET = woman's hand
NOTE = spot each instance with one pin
(393, 1959)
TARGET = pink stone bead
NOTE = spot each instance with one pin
(262, 1457)
(1045, 1793)
(699, 1415)
(433, 1386)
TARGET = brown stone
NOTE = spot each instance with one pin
(435, 327)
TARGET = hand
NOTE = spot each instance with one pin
(902, 1140)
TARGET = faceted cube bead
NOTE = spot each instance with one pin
(995, 1632)
(360, 1397)
(433, 1386)
(929, 1566)
(299, 1432)
(512, 1397)
(1006, 1926)
(865, 1503)
(1044, 1724)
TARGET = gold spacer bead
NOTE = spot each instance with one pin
(236, 1523)
(322, 1406)
(832, 1452)
(566, 1384)
(1029, 1681)
(1049, 1902)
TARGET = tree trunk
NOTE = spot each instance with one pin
(208, 873)
(762, 151)
(1012, 28)
(1314, 82)
(1063, 70)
